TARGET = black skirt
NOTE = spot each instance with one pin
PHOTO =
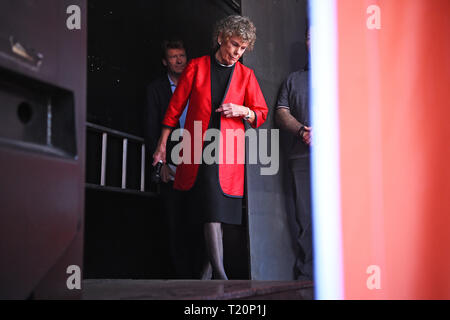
(209, 203)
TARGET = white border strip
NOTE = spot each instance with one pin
(325, 154)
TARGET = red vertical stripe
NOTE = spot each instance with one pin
(395, 147)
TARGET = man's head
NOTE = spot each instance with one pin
(174, 57)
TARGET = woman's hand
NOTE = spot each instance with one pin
(160, 154)
(231, 110)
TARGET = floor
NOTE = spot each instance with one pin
(118, 289)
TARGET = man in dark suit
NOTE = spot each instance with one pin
(159, 93)
(158, 96)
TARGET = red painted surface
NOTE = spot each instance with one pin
(395, 149)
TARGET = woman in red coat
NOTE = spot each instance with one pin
(222, 94)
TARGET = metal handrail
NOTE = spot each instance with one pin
(113, 132)
(125, 138)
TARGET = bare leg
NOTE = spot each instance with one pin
(214, 248)
(207, 270)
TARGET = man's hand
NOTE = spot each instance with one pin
(166, 173)
(307, 135)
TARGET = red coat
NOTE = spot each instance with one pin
(195, 85)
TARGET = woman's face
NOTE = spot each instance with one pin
(230, 50)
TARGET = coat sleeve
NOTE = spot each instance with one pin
(254, 99)
(180, 96)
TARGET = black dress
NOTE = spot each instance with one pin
(210, 204)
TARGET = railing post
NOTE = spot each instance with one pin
(124, 163)
(143, 167)
(103, 166)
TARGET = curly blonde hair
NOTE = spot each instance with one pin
(235, 25)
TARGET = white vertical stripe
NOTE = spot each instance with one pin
(143, 167)
(325, 151)
(103, 166)
(124, 163)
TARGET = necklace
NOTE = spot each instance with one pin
(221, 64)
(224, 65)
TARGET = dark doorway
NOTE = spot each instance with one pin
(124, 231)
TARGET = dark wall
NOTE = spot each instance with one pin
(42, 139)
(279, 50)
(125, 237)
